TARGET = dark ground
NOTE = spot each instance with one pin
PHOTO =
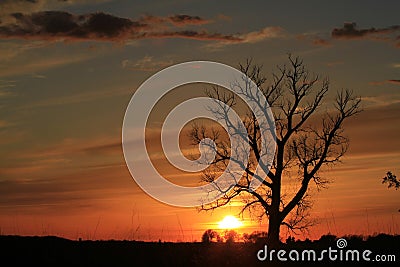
(54, 251)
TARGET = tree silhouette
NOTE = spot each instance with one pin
(210, 236)
(255, 236)
(304, 144)
(231, 236)
(391, 180)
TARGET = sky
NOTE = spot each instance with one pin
(68, 70)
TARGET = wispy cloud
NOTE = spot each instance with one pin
(321, 42)
(79, 98)
(31, 66)
(3, 124)
(224, 17)
(31, 6)
(251, 37)
(33, 162)
(334, 63)
(147, 63)
(391, 81)
(266, 33)
(314, 38)
(381, 101)
(5, 86)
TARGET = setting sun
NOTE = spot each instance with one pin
(230, 222)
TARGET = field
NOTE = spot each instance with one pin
(55, 251)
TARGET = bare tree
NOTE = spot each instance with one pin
(304, 144)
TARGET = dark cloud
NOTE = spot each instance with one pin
(181, 20)
(105, 25)
(52, 25)
(59, 24)
(176, 20)
(199, 35)
(394, 81)
(350, 31)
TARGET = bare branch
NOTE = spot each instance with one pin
(302, 147)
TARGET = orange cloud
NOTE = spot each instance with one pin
(251, 37)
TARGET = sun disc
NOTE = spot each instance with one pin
(230, 222)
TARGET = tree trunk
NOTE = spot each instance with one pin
(274, 215)
(273, 229)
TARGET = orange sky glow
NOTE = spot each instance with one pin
(63, 98)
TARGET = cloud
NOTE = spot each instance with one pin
(61, 25)
(71, 148)
(3, 124)
(313, 38)
(31, 66)
(257, 36)
(64, 25)
(13, 6)
(392, 81)
(147, 63)
(196, 35)
(321, 42)
(98, 152)
(350, 31)
(181, 20)
(251, 37)
(4, 93)
(78, 98)
(224, 17)
(334, 63)
(381, 101)
(5, 85)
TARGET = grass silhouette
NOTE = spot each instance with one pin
(56, 251)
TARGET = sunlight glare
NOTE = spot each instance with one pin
(230, 222)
